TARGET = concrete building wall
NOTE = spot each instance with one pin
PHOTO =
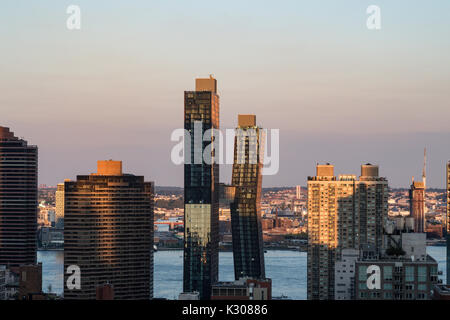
(345, 275)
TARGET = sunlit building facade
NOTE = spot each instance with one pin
(59, 201)
(298, 192)
(343, 213)
(248, 251)
(448, 221)
(18, 200)
(201, 189)
(417, 205)
(108, 231)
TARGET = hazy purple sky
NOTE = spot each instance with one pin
(337, 91)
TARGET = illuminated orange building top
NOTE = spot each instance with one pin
(206, 84)
(6, 134)
(109, 168)
(246, 120)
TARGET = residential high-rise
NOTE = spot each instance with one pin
(59, 202)
(298, 192)
(18, 200)
(201, 189)
(417, 201)
(108, 231)
(343, 213)
(417, 205)
(248, 251)
(448, 222)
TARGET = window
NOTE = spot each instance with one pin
(387, 273)
(362, 273)
(409, 273)
(422, 287)
(422, 276)
(409, 287)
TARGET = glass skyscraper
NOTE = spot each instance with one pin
(248, 252)
(18, 200)
(201, 189)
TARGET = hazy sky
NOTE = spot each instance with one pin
(337, 91)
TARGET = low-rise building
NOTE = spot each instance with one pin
(401, 271)
(395, 279)
(243, 289)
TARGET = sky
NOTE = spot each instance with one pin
(337, 91)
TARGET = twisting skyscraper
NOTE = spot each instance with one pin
(18, 200)
(201, 189)
(108, 231)
(248, 252)
(342, 213)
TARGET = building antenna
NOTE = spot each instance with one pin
(424, 172)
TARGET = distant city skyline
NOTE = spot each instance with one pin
(338, 92)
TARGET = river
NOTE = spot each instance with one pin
(287, 269)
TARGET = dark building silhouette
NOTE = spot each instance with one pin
(105, 292)
(248, 252)
(201, 190)
(108, 230)
(18, 200)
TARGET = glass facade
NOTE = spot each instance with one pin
(201, 191)
(248, 251)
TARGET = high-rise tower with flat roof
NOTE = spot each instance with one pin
(417, 200)
(18, 200)
(417, 205)
(201, 189)
(108, 233)
(248, 252)
(343, 213)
